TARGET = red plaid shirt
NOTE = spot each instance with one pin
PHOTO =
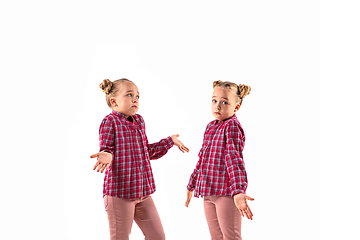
(130, 174)
(220, 170)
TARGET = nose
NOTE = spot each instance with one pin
(217, 106)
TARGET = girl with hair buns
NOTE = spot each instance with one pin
(220, 175)
(125, 154)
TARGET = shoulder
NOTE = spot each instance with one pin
(210, 124)
(109, 118)
(233, 125)
(138, 118)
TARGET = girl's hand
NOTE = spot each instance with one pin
(103, 162)
(241, 204)
(188, 197)
(179, 144)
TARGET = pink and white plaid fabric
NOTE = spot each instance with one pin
(220, 170)
(130, 174)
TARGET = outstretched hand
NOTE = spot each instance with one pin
(188, 197)
(103, 162)
(241, 203)
(179, 144)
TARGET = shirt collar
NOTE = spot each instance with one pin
(232, 117)
(118, 114)
(229, 118)
(123, 117)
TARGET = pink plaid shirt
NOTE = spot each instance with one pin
(130, 174)
(220, 170)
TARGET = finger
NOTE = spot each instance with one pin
(180, 148)
(185, 148)
(242, 212)
(103, 168)
(94, 155)
(96, 164)
(250, 211)
(248, 214)
(249, 198)
(99, 167)
(187, 202)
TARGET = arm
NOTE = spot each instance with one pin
(105, 155)
(192, 182)
(194, 176)
(236, 168)
(234, 160)
(106, 136)
(159, 149)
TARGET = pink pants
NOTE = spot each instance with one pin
(223, 218)
(122, 212)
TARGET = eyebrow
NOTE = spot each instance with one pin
(132, 91)
(222, 97)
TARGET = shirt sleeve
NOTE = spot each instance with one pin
(194, 176)
(106, 136)
(235, 165)
(159, 149)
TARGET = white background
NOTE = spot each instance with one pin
(300, 58)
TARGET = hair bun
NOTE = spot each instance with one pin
(215, 83)
(244, 90)
(106, 86)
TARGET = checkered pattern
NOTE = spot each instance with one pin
(130, 175)
(220, 170)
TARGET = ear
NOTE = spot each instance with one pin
(113, 102)
(237, 107)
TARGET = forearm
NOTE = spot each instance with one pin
(237, 175)
(159, 149)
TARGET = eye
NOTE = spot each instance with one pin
(225, 103)
(137, 97)
(214, 101)
(129, 95)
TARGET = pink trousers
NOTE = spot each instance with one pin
(122, 212)
(223, 218)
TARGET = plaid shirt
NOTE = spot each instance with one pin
(220, 170)
(130, 175)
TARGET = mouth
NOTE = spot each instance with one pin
(216, 113)
(134, 106)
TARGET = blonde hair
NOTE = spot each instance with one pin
(111, 89)
(241, 90)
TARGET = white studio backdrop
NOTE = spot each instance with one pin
(55, 55)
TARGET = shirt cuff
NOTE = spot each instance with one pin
(170, 142)
(237, 191)
(190, 188)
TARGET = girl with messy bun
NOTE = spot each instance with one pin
(220, 176)
(125, 156)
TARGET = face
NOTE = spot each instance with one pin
(127, 100)
(224, 103)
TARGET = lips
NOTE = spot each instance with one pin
(216, 113)
(134, 106)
